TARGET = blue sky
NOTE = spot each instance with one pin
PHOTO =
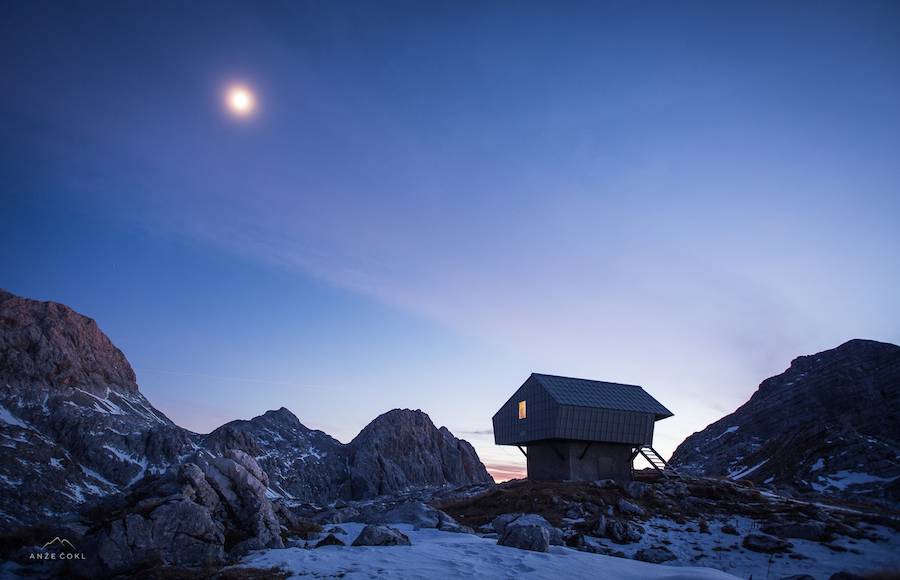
(435, 199)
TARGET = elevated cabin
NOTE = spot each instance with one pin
(579, 429)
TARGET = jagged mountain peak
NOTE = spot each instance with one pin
(825, 425)
(402, 449)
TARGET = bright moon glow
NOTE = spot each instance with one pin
(240, 101)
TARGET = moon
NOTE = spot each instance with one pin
(240, 100)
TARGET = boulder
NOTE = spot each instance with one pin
(329, 540)
(766, 544)
(555, 534)
(448, 524)
(655, 555)
(533, 538)
(637, 489)
(808, 530)
(619, 531)
(627, 507)
(197, 515)
(415, 513)
(376, 535)
(729, 529)
(500, 522)
(336, 530)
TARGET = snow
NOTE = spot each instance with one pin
(107, 408)
(722, 551)
(75, 491)
(93, 474)
(445, 555)
(10, 482)
(122, 455)
(10, 419)
(748, 471)
(726, 432)
(819, 464)
(844, 479)
(143, 411)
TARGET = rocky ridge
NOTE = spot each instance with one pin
(826, 426)
(75, 428)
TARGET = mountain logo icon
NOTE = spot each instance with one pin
(61, 542)
(57, 549)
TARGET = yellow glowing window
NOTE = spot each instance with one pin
(521, 409)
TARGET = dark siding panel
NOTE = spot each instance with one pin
(541, 416)
(590, 424)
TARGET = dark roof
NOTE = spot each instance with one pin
(600, 394)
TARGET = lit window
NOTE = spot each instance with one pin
(521, 409)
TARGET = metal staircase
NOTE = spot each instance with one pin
(654, 459)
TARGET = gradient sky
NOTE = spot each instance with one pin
(436, 199)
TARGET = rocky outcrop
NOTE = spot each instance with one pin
(827, 425)
(198, 515)
(302, 464)
(73, 425)
(402, 449)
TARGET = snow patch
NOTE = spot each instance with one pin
(10, 482)
(747, 471)
(843, 479)
(726, 432)
(10, 419)
(107, 408)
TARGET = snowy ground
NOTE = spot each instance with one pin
(819, 561)
(444, 555)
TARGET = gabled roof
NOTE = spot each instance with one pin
(600, 394)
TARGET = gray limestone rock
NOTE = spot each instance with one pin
(376, 535)
(533, 538)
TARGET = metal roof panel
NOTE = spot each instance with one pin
(601, 394)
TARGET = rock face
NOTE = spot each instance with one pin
(73, 425)
(402, 449)
(74, 428)
(193, 516)
(302, 463)
(826, 425)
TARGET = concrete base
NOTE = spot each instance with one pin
(563, 461)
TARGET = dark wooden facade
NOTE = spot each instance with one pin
(575, 429)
